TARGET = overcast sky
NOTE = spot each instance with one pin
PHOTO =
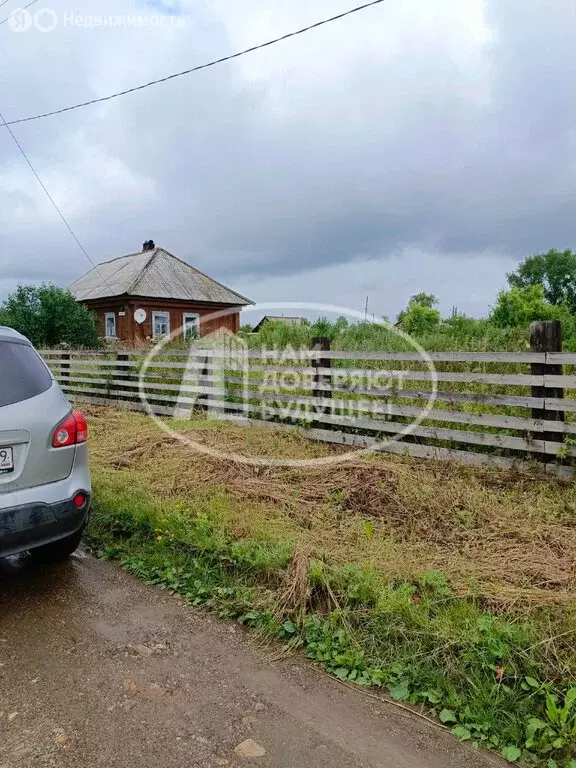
(417, 145)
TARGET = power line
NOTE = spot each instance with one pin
(16, 12)
(49, 196)
(212, 63)
(199, 67)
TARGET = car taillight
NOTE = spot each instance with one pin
(71, 431)
(81, 427)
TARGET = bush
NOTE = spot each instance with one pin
(49, 316)
(519, 307)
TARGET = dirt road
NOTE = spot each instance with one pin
(97, 669)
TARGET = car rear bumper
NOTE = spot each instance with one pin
(33, 525)
(31, 517)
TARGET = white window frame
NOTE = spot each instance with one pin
(107, 316)
(164, 316)
(187, 316)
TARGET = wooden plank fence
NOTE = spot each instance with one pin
(500, 409)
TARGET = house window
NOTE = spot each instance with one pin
(160, 324)
(110, 325)
(190, 325)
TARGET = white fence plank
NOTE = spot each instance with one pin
(96, 363)
(377, 374)
(434, 414)
(567, 382)
(134, 377)
(114, 394)
(134, 385)
(560, 403)
(335, 354)
(561, 358)
(471, 398)
(437, 357)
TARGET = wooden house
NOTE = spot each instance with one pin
(152, 294)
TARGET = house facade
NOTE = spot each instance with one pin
(151, 294)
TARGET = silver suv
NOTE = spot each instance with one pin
(44, 477)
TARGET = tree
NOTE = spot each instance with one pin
(555, 271)
(420, 317)
(423, 300)
(520, 306)
(49, 316)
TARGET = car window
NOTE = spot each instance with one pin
(22, 373)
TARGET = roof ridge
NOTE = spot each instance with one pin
(117, 258)
(207, 276)
(138, 277)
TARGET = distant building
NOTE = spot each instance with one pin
(273, 319)
(149, 294)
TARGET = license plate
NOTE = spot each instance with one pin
(6, 460)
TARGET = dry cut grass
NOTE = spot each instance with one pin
(506, 536)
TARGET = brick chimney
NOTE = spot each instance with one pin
(148, 245)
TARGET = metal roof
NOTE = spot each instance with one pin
(152, 274)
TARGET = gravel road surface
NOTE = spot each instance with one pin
(98, 669)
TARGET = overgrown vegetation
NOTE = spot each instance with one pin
(456, 333)
(449, 588)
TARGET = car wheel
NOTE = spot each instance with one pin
(57, 550)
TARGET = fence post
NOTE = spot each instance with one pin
(546, 336)
(122, 373)
(204, 381)
(322, 344)
(65, 369)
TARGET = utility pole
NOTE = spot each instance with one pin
(366, 311)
